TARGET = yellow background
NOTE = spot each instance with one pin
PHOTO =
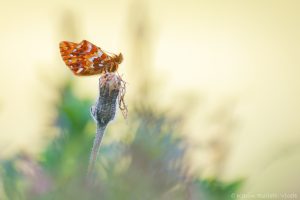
(245, 54)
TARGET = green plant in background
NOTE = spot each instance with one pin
(148, 166)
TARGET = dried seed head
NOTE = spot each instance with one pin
(111, 89)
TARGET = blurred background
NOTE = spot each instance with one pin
(212, 92)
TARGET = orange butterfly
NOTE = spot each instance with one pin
(86, 59)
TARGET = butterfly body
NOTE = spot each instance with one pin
(86, 59)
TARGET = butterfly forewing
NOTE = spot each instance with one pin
(84, 58)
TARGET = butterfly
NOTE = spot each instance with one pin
(86, 59)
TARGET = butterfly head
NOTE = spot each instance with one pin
(119, 58)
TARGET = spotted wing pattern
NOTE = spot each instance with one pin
(84, 58)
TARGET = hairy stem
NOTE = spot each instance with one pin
(103, 112)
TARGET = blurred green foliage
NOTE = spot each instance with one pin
(148, 166)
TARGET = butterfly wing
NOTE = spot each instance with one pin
(83, 58)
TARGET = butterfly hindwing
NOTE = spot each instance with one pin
(85, 58)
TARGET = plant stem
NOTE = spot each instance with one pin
(95, 149)
(103, 112)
